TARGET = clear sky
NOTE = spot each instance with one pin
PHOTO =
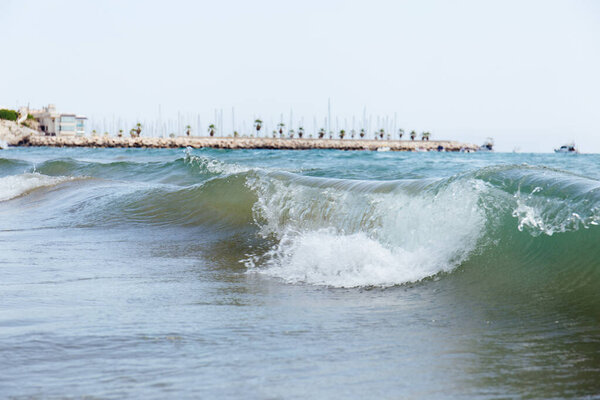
(524, 72)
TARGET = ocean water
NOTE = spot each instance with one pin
(289, 275)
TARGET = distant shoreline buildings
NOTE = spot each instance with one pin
(53, 123)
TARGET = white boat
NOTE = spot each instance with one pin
(383, 149)
(488, 145)
(567, 148)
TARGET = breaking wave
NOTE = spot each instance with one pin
(506, 220)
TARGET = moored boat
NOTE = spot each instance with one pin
(567, 148)
(488, 145)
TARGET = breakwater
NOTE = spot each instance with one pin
(241, 143)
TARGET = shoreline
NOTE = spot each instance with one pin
(242, 143)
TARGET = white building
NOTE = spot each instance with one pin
(53, 123)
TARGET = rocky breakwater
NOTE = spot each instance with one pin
(13, 134)
(244, 143)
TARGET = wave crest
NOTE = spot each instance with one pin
(14, 186)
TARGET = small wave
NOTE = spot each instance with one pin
(211, 165)
(18, 185)
(10, 166)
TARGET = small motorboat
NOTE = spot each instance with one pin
(488, 145)
(567, 148)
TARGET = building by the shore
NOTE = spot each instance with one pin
(53, 123)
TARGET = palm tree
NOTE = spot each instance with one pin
(321, 133)
(281, 126)
(212, 129)
(105, 133)
(300, 132)
(132, 132)
(258, 126)
(94, 132)
(188, 130)
(381, 133)
(352, 134)
(291, 133)
(342, 134)
(330, 135)
(138, 129)
(413, 135)
(274, 134)
(362, 133)
(425, 136)
(235, 134)
(400, 133)
(120, 134)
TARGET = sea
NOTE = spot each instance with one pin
(259, 274)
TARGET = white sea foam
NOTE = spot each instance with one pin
(344, 238)
(538, 214)
(18, 185)
(212, 165)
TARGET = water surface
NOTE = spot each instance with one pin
(278, 274)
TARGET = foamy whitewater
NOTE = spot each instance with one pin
(279, 274)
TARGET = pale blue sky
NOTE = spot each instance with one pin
(525, 72)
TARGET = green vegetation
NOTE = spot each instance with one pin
(10, 115)
(258, 125)
(212, 129)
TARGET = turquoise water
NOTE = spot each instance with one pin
(310, 274)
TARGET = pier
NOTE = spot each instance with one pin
(244, 143)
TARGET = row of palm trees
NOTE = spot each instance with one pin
(291, 133)
(281, 132)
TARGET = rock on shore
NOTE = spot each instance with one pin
(13, 134)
